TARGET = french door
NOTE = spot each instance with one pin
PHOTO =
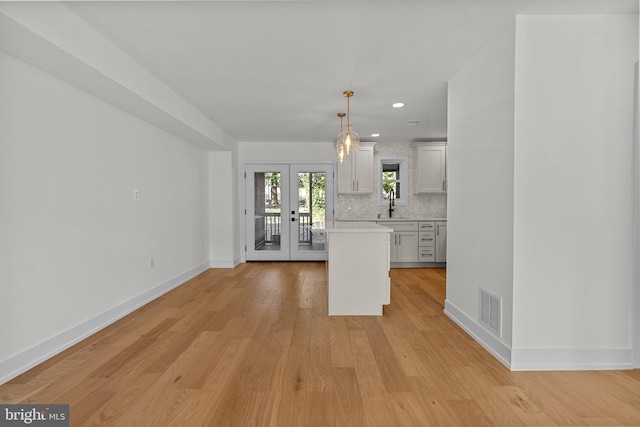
(285, 206)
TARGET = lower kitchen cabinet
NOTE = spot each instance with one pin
(404, 240)
(417, 242)
(441, 241)
(427, 245)
(404, 246)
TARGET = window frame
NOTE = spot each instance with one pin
(403, 179)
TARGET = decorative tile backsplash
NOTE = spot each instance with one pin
(365, 206)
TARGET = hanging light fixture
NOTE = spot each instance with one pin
(348, 137)
(340, 149)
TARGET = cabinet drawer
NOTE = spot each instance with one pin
(427, 238)
(400, 226)
(427, 254)
(427, 226)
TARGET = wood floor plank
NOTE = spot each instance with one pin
(601, 422)
(254, 346)
(527, 405)
(377, 404)
(124, 400)
(291, 409)
(132, 351)
(340, 346)
(348, 408)
(409, 410)
(319, 409)
(469, 412)
(320, 378)
(499, 413)
(439, 412)
(205, 361)
(262, 409)
(87, 397)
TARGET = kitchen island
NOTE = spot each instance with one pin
(358, 268)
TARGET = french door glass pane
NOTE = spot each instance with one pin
(268, 211)
(311, 209)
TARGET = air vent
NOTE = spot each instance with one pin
(413, 122)
(491, 311)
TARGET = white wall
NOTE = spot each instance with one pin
(573, 182)
(480, 198)
(73, 242)
(223, 209)
(52, 38)
(286, 152)
(545, 164)
(636, 223)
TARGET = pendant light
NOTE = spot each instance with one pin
(340, 149)
(348, 137)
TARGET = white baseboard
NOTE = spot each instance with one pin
(21, 362)
(571, 359)
(486, 339)
(224, 263)
(542, 359)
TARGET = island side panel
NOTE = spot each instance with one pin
(358, 267)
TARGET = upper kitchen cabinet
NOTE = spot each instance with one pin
(430, 167)
(355, 174)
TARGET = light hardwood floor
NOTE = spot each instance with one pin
(254, 346)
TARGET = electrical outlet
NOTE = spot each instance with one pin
(136, 195)
(152, 262)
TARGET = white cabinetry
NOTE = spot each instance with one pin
(414, 242)
(357, 285)
(427, 242)
(430, 168)
(355, 174)
(404, 241)
(441, 241)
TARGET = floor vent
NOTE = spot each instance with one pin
(491, 311)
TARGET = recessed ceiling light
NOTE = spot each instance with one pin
(375, 134)
(398, 105)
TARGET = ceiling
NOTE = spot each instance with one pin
(275, 71)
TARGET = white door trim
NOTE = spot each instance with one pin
(282, 251)
(245, 209)
(635, 327)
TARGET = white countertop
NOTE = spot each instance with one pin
(353, 227)
(389, 219)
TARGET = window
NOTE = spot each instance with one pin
(393, 177)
